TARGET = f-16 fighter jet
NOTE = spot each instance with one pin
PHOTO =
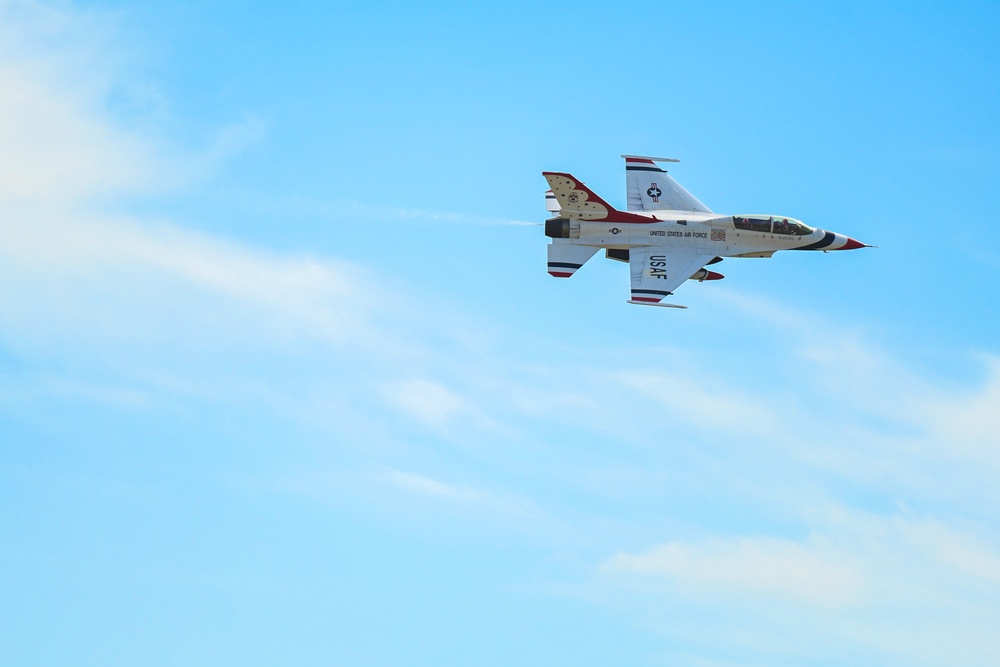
(665, 234)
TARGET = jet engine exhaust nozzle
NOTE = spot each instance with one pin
(557, 228)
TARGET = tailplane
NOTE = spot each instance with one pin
(566, 258)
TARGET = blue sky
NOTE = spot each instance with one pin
(280, 381)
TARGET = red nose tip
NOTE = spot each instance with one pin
(712, 275)
(852, 245)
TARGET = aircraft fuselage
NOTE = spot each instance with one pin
(721, 236)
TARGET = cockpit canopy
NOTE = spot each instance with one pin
(772, 225)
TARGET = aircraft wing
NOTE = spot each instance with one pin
(657, 271)
(650, 188)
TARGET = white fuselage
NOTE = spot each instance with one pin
(709, 233)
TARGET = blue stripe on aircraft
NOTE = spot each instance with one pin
(827, 239)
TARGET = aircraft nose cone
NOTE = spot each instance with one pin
(852, 245)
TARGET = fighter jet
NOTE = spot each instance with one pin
(665, 234)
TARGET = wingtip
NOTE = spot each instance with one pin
(650, 157)
(660, 304)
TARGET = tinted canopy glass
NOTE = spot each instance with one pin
(771, 224)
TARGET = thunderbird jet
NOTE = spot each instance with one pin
(665, 234)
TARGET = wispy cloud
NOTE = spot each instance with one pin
(423, 485)
(860, 578)
(57, 143)
(428, 402)
(707, 405)
(810, 572)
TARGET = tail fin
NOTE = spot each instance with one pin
(576, 200)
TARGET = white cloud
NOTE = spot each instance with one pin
(707, 403)
(967, 419)
(916, 589)
(837, 446)
(809, 572)
(429, 402)
(428, 486)
(127, 281)
(113, 278)
(59, 70)
(54, 147)
(45, 387)
(56, 137)
(126, 309)
(483, 502)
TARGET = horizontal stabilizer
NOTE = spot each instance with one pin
(565, 259)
